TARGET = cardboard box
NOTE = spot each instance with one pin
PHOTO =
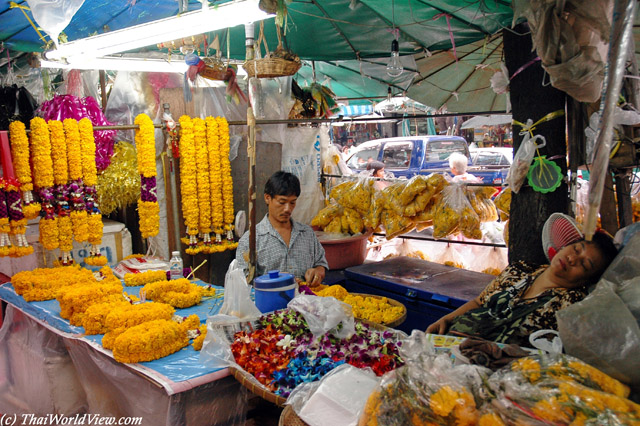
(116, 245)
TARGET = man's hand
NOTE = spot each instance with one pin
(314, 276)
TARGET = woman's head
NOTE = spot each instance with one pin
(583, 262)
(377, 167)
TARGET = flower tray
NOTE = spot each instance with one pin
(392, 302)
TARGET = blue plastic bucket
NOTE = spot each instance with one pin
(274, 290)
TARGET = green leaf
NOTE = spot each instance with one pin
(544, 175)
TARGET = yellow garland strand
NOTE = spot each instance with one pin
(44, 283)
(180, 293)
(227, 182)
(65, 233)
(127, 317)
(149, 218)
(58, 152)
(96, 260)
(94, 317)
(74, 151)
(41, 153)
(199, 341)
(145, 146)
(88, 152)
(202, 175)
(142, 278)
(188, 185)
(94, 222)
(215, 174)
(80, 225)
(49, 233)
(20, 154)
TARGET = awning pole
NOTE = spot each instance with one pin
(251, 155)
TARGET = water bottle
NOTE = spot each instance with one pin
(175, 266)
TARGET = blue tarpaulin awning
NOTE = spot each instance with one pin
(355, 110)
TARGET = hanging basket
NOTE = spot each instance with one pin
(214, 73)
(277, 64)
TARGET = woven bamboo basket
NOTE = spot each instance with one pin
(214, 73)
(288, 417)
(270, 66)
(257, 388)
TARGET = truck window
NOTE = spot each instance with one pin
(360, 159)
(397, 155)
(441, 150)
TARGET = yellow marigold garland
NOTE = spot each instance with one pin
(142, 278)
(22, 167)
(132, 315)
(199, 340)
(49, 233)
(80, 225)
(41, 153)
(75, 301)
(96, 260)
(65, 233)
(58, 152)
(227, 182)
(188, 183)
(74, 150)
(202, 177)
(88, 152)
(148, 208)
(95, 225)
(180, 293)
(215, 176)
(94, 317)
(44, 283)
(148, 341)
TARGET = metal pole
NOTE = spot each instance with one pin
(103, 89)
(251, 156)
(171, 178)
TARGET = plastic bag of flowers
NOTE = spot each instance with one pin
(560, 390)
(427, 390)
(337, 399)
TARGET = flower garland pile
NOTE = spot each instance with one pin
(180, 293)
(123, 318)
(374, 309)
(150, 340)
(206, 184)
(44, 283)
(22, 168)
(75, 300)
(283, 353)
(94, 318)
(148, 208)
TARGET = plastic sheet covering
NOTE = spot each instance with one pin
(37, 375)
(601, 330)
(115, 390)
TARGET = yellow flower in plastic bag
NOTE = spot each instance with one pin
(326, 215)
(395, 224)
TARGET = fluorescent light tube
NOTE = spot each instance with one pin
(120, 64)
(227, 15)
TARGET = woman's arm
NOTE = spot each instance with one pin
(442, 325)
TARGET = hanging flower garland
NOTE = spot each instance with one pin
(148, 208)
(5, 228)
(215, 177)
(76, 186)
(22, 168)
(43, 180)
(202, 178)
(89, 173)
(227, 181)
(61, 190)
(188, 182)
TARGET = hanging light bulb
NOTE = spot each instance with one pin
(394, 66)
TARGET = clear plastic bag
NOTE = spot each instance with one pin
(503, 201)
(450, 256)
(326, 215)
(271, 97)
(237, 294)
(522, 160)
(324, 314)
(395, 224)
(480, 199)
(455, 214)
(358, 196)
(54, 15)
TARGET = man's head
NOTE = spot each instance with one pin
(281, 193)
(458, 163)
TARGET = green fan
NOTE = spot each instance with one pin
(544, 175)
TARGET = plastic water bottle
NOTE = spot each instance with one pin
(175, 266)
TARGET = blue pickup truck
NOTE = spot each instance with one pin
(408, 156)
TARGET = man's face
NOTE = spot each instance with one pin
(281, 207)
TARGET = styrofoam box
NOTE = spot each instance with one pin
(116, 244)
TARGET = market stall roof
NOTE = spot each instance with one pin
(331, 33)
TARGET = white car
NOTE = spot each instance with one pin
(491, 156)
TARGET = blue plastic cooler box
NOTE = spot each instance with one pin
(429, 290)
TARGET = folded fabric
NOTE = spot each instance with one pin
(490, 354)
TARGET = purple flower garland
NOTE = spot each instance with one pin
(148, 189)
(69, 106)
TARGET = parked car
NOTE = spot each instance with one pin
(412, 155)
(491, 163)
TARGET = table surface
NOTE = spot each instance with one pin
(177, 372)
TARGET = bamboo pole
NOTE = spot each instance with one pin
(251, 156)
